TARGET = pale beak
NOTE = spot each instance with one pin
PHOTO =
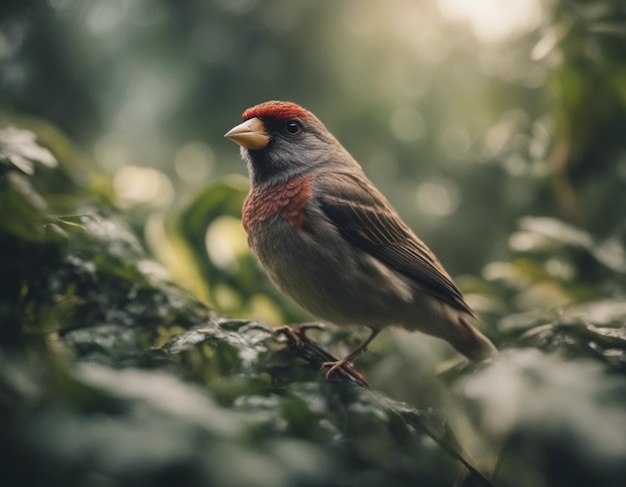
(251, 134)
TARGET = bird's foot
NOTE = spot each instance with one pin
(344, 367)
(308, 349)
(297, 334)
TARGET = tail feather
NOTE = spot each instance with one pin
(471, 342)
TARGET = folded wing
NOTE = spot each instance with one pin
(365, 218)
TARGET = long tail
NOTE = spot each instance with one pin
(471, 342)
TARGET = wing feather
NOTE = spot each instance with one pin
(364, 217)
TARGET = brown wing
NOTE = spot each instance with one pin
(364, 217)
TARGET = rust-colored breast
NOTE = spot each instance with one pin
(287, 199)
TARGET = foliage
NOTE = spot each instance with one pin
(465, 133)
(111, 373)
(115, 371)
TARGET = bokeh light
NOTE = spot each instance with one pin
(464, 113)
(194, 162)
(494, 20)
(142, 185)
(225, 241)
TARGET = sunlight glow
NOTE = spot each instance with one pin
(225, 242)
(438, 197)
(142, 185)
(193, 163)
(494, 20)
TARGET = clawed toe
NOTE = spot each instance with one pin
(343, 366)
(298, 339)
(296, 334)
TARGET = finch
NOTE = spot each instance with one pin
(329, 239)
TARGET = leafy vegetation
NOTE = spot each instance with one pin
(114, 370)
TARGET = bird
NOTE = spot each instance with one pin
(328, 238)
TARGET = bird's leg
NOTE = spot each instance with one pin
(345, 364)
(296, 334)
(312, 352)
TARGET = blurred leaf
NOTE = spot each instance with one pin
(18, 147)
(610, 253)
(563, 421)
(557, 230)
(29, 211)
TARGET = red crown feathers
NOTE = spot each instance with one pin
(279, 110)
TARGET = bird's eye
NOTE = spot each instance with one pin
(293, 127)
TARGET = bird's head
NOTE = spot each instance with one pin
(280, 140)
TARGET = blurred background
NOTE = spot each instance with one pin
(474, 118)
(497, 128)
